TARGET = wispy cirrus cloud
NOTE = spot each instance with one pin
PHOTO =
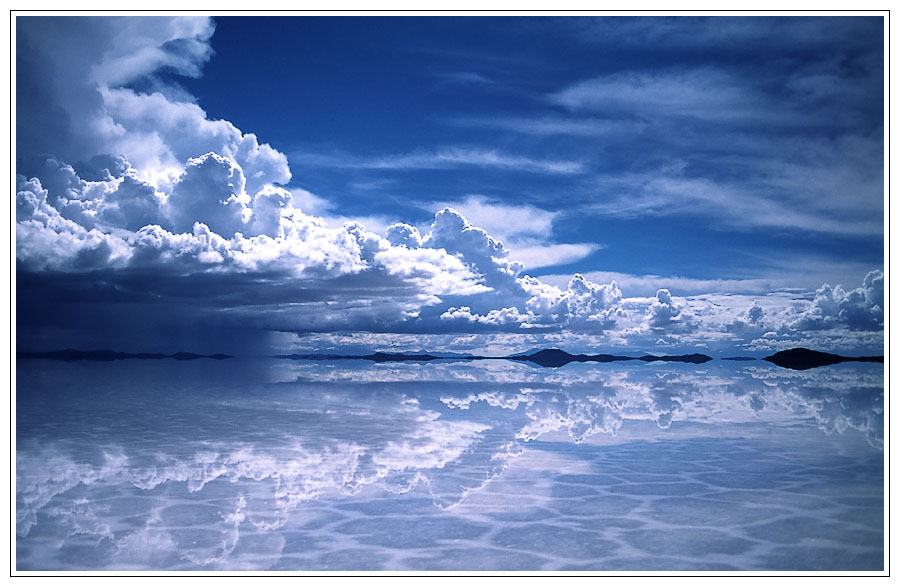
(697, 92)
(463, 78)
(794, 145)
(445, 158)
(745, 34)
(555, 125)
(800, 150)
(746, 205)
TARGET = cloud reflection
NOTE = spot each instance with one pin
(199, 491)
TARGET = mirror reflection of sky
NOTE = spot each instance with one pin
(284, 465)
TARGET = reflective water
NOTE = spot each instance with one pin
(280, 465)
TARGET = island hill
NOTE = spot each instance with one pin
(801, 359)
(544, 358)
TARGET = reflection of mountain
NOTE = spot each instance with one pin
(558, 358)
(544, 358)
(695, 358)
(800, 358)
(74, 355)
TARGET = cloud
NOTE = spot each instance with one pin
(666, 315)
(404, 234)
(533, 254)
(752, 317)
(464, 78)
(140, 46)
(648, 285)
(506, 221)
(792, 144)
(552, 125)
(702, 93)
(62, 61)
(798, 145)
(160, 135)
(744, 35)
(132, 205)
(76, 97)
(447, 158)
(858, 309)
(200, 224)
(501, 317)
(452, 232)
(309, 202)
(47, 240)
(525, 230)
(673, 191)
(211, 191)
(432, 270)
(583, 306)
(210, 224)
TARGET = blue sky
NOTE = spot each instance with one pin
(581, 116)
(690, 169)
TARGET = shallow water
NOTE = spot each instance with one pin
(304, 466)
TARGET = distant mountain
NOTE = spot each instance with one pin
(528, 352)
(105, 355)
(388, 357)
(801, 359)
(558, 358)
(695, 358)
(544, 358)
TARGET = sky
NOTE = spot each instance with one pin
(251, 184)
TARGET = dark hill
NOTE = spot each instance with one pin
(549, 358)
(558, 358)
(801, 359)
(695, 358)
(386, 357)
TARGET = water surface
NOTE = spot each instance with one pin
(311, 466)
